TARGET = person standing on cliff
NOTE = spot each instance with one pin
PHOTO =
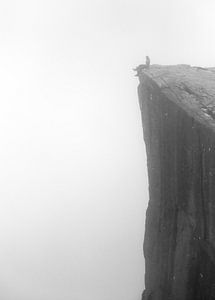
(147, 62)
(142, 67)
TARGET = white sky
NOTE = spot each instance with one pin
(73, 168)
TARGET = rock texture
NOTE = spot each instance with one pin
(178, 114)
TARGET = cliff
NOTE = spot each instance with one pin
(178, 114)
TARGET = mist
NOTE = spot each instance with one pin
(74, 186)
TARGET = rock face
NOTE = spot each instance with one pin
(178, 114)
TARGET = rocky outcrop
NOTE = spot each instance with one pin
(178, 114)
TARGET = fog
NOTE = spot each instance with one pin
(73, 167)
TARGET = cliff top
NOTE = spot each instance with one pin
(192, 88)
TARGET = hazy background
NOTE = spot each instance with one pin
(73, 168)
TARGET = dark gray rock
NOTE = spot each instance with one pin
(178, 114)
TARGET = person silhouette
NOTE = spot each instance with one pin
(147, 62)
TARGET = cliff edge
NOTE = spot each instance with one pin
(178, 113)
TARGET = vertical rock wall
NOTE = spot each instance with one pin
(179, 245)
